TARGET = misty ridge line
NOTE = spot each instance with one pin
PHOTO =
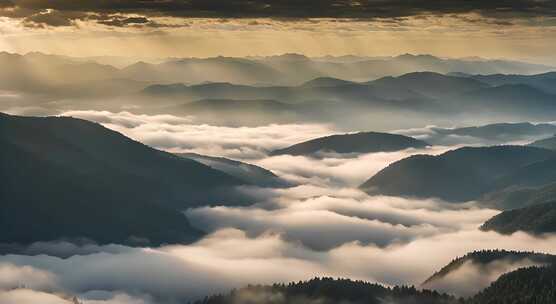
(242, 98)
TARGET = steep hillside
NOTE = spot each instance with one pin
(536, 219)
(69, 178)
(458, 175)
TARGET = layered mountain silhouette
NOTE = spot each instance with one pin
(428, 96)
(498, 132)
(62, 76)
(363, 142)
(351, 92)
(288, 69)
(433, 85)
(250, 174)
(464, 174)
(197, 70)
(544, 81)
(536, 219)
(69, 178)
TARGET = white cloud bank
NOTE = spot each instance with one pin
(324, 226)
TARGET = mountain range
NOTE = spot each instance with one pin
(499, 133)
(423, 96)
(535, 219)
(544, 81)
(69, 178)
(282, 89)
(464, 174)
(33, 71)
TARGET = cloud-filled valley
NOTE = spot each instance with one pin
(321, 226)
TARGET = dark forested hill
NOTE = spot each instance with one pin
(537, 219)
(364, 142)
(329, 291)
(485, 257)
(70, 178)
(523, 286)
(458, 175)
(519, 197)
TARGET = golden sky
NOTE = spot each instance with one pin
(165, 35)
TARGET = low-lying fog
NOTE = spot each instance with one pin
(322, 226)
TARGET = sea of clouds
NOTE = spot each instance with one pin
(323, 226)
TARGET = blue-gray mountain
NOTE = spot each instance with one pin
(363, 142)
(498, 133)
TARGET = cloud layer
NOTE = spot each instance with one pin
(229, 258)
(181, 134)
(324, 226)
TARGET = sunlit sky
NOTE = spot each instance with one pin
(522, 29)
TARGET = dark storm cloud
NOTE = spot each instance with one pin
(365, 9)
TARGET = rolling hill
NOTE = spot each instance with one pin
(459, 175)
(522, 286)
(471, 273)
(431, 84)
(363, 142)
(326, 82)
(485, 257)
(70, 178)
(328, 291)
(535, 219)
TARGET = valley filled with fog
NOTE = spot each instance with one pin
(225, 172)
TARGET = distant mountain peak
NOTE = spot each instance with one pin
(361, 142)
(326, 82)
